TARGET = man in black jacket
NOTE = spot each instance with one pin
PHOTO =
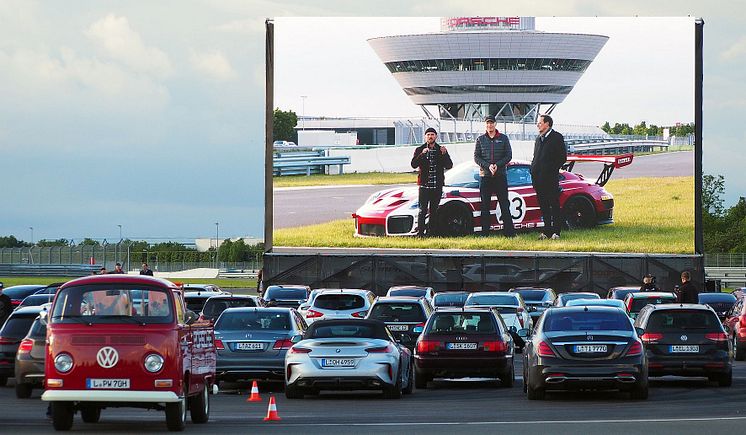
(431, 160)
(688, 292)
(549, 156)
(648, 284)
(493, 153)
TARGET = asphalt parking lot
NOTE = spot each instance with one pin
(676, 405)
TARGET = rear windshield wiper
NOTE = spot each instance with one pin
(123, 317)
(79, 319)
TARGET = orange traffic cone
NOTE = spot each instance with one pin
(254, 394)
(272, 410)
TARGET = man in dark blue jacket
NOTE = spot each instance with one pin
(550, 154)
(493, 153)
(431, 160)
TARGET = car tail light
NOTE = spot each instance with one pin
(359, 314)
(297, 349)
(382, 349)
(651, 337)
(219, 345)
(8, 340)
(311, 314)
(283, 344)
(716, 336)
(495, 346)
(742, 321)
(418, 328)
(426, 346)
(15, 302)
(545, 350)
(519, 310)
(635, 349)
(26, 345)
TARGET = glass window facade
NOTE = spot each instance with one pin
(489, 64)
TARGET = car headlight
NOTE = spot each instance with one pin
(153, 363)
(63, 362)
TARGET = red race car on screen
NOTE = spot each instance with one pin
(585, 203)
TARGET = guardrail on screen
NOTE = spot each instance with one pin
(306, 163)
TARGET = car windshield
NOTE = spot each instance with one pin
(397, 313)
(561, 320)
(532, 295)
(113, 303)
(450, 300)
(214, 306)
(339, 302)
(492, 300)
(253, 321)
(706, 298)
(461, 323)
(621, 294)
(616, 303)
(338, 330)
(639, 303)
(285, 293)
(571, 296)
(17, 326)
(35, 300)
(676, 320)
(21, 291)
(463, 175)
(417, 293)
(196, 303)
(38, 329)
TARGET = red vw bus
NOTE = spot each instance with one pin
(121, 340)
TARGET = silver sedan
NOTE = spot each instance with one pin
(348, 354)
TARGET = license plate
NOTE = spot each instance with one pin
(684, 349)
(590, 348)
(397, 327)
(337, 362)
(461, 346)
(250, 346)
(107, 384)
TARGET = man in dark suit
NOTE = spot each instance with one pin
(688, 292)
(431, 160)
(493, 153)
(549, 156)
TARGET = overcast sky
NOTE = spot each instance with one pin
(149, 115)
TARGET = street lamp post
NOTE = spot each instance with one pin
(120, 232)
(303, 112)
(32, 234)
(217, 242)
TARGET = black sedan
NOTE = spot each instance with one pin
(577, 348)
(686, 340)
(720, 302)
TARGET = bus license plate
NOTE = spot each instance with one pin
(337, 362)
(107, 384)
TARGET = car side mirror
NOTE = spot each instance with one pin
(639, 331)
(296, 338)
(513, 329)
(190, 317)
(523, 333)
(531, 308)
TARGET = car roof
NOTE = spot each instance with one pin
(511, 294)
(579, 308)
(24, 287)
(469, 309)
(228, 296)
(724, 297)
(120, 279)
(514, 289)
(578, 293)
(33, 309)
(298, 286)
(650, 295)
(398, 300)
(344, 290)
(410, 287)
(257, 309)
(693, 307)
(596, 302)
(624, 287)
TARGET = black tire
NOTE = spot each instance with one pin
(23, 391)
(639, 392)
(394, 391)
(90, 413)
(3, 381)
(420, 380)
(293, 392)
(176, 413)
(724, 379)
(455, 220)
(62, 415)
(410, 383)
(739, 352)
(199, 406)
(507, 380)
(579, 213)
(533, 393)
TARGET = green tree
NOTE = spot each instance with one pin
(606, 127)
(58, 242)
(640, 129)
(89, 242)
(283, 125)
(12, 242)
(712, 190)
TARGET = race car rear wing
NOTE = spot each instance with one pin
(610, 163)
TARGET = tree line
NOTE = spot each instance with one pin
(724, 228)
(231, 251)
(642, 129)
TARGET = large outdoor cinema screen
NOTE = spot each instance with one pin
(394, 132)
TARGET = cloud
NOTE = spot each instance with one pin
(122, 43)
(246, 26)
(213, 64)
(736, 51)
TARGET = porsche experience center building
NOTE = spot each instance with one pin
(474, 67)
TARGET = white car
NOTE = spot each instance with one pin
(413, 291)
(340, 304)
(511, 307)
(283, 143)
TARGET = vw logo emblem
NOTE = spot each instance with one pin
(107, 357)
(589, 337)
(461, 338)
(684, 338)
(339, 350)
